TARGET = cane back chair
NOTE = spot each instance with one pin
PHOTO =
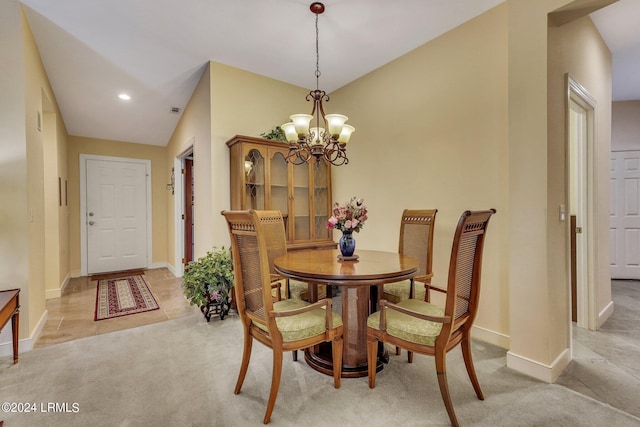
(285, 325)
(421, 327)
(276, 240)
(416, 239)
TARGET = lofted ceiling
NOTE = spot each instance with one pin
(156, 50)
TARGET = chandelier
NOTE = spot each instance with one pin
(307, 141)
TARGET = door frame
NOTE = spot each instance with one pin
(83, 204)
(586, 298)
(178, 209)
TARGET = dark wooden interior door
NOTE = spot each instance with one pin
(189, 197)
(574, 271)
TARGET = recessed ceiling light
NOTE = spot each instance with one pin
(124, 96)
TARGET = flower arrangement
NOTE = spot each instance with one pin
(348, 217)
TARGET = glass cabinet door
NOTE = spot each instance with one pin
(321, 200)
(279, 186)
(254, 180)
(301, 220)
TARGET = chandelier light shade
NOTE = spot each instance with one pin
(317, 135)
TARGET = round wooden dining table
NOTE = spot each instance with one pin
(356, 278)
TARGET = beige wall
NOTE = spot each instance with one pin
(193, 131)
(538, 302)
(625, 125)
(14, 225)
(431, 132)
(227, 102)
(243, 103)
(410, 151)
(32, 248)
(160, 174)
(577, 48)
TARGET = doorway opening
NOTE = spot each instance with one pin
(580, 134)
(184, 202)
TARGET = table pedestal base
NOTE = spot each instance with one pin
(323, 362)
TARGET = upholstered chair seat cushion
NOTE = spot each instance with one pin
(302, 325)
(396, 292)
(410, 328)
(299, 290)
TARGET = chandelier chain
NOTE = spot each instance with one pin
(317, 55)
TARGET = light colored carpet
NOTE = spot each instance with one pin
(182, 373)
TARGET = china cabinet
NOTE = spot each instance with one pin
(261, 178)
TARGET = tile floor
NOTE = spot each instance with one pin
(71, 316)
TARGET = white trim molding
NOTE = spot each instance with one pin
(25, 344)
(540, 371)
(490, 337)
(604, 315)
(57, 293)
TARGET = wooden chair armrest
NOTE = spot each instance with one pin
(435, 288)
(278, 287)
(384, 305)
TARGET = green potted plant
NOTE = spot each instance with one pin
(276, 134)
(207, 282)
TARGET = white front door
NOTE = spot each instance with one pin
(625, 215)
(116, 215)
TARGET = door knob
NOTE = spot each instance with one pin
(91, 222)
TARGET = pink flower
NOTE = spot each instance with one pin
(348, 216)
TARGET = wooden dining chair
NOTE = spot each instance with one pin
(416, 239)
(285, 325)
(281, 287)
(421, 327)
(276, 240)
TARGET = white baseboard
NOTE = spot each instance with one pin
(605, 314)
(172, 270)
(537, 370)
(158, 265)
(24, 344)
(76, 273)
(490, 337)
(57, 293)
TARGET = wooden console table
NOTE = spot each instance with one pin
(10, 309)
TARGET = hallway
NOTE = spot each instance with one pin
(605, 363)
(71, 316)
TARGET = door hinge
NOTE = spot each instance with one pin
(183, 216)
(183, 171)
(578, 230)
(184, 261)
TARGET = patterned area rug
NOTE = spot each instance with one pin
(122, 296)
